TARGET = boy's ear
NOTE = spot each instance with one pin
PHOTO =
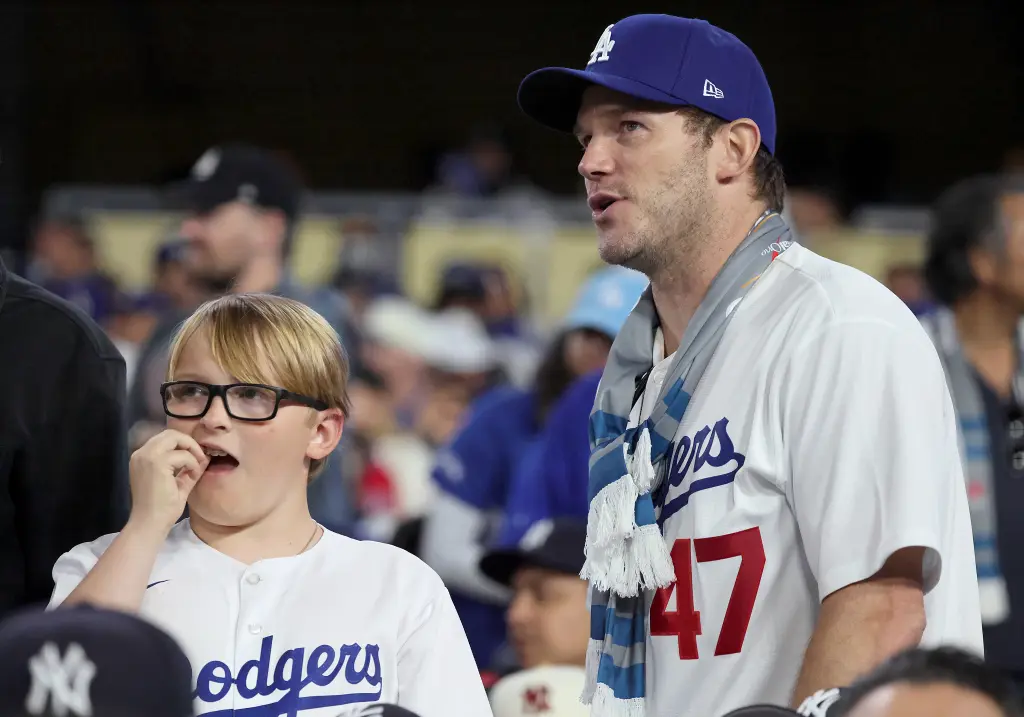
(327, 433)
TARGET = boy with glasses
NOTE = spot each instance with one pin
(277, 614)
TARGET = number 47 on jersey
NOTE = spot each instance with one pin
(684, 622)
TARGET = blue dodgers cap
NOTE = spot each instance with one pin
(604, 301)
(662, 58)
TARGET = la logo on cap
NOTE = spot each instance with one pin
(604, 46)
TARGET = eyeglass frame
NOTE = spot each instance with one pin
(215, 389)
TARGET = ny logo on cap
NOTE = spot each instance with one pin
(206, 165)
(65, 682)
(604, 46)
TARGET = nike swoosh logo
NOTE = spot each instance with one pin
(156, 583)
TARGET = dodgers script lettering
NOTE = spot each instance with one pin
(710, 446)
(359, 666)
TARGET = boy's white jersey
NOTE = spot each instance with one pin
(820, 440)
(345, 622)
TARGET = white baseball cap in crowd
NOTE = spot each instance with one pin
(551, 690)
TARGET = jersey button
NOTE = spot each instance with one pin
(252, 578)
(255, 628)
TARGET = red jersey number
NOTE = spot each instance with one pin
(684, 622)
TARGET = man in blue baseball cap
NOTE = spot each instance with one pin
(775, 496)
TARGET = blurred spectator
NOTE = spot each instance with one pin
(814, 208)
(131, 324)
(396, 341)
(552, 477)
(907, 282)
(242, 208)
(474, 472)
(975, 269)
(63, 261)
(487, 291)
(173, 284)
(551, 690)
(364, 267)
(941, 682)
(63, 463)
(483, 167)
(548, 621)
(86, 662)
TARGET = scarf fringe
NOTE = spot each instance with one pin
(606, 704)
(594, 648)
(641, 562)
(612, 515)
(641, 469)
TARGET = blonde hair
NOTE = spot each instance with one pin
(263, 338)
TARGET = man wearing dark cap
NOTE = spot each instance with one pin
(547, 619)
(242, 205)
(775, 495)
(86, 662)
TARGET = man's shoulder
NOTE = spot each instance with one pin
(812, 291)
(49, 319)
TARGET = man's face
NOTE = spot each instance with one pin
(646, 177)
(222, 241)
(548, 619)
(1009, 277)
(925, 700)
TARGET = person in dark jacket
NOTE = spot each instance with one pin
(63, 453)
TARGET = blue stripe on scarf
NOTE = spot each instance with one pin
(606, 426)
(623, 631)
(626, 682)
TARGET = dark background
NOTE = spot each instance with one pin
(890, 99)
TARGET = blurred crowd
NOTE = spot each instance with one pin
(466, 442)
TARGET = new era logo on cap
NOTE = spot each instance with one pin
(711, 91)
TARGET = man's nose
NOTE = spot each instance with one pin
(597, 160)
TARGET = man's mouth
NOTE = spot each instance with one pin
(600, 201)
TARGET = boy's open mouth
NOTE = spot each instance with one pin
(220, 461)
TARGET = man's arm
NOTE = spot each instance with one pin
(72, 475)
(875, 482)
(863, 624)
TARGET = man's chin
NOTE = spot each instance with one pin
(616, 253)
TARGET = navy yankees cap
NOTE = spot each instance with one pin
(556, 544)
(87, 661)
(242, 173)
(662, 58)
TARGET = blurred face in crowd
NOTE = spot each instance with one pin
(936, 699)
(548, 619)
(63, 250)
(223, 241)
(586, 350)
(1005, 273)
(267, 463)
(174, 280)
(646, 175)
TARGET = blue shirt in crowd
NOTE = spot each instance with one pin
(476, 468)
(551, 479)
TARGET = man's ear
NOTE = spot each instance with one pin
(327, 433)
(739, 142)
(984, 265)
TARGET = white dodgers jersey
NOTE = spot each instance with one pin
(820, 441)
(344, 623)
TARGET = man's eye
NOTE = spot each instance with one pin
(631, 126)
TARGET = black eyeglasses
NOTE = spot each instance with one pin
(242, 401)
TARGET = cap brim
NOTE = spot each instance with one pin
(501, 565)
(188, 196)
(552, 96)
